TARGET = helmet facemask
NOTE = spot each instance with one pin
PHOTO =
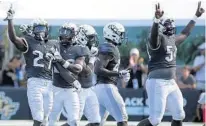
(87, 36)
(92, 41)
(167, 27)
(40, 32)
(66, 35)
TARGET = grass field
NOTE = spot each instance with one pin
(83, 123)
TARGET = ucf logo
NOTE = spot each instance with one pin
(8, 108)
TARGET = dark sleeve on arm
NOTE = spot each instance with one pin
(65, 74)
(185, 33)
(100, 66)
(153, 38)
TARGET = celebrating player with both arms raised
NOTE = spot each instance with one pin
(161, 87)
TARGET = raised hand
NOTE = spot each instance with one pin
(10, 14)
(125, 75)
(158, 12)
(200, 10)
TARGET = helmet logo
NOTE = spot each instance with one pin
(113, 28)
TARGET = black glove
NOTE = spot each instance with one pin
(200, 10)
(158, 12)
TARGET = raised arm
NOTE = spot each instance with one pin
(153, 40)
(20, 43)
(186, 31)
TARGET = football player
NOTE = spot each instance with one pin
(66, 87)
(161, 87)
(87, 37)
(107, 71)
(39, 83)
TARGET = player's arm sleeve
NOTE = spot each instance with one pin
(20, 43)
(100, 66)
(185, 33)
(154, 35)
(65, 74)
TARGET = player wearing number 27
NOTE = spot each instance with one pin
(39, 83)
(161, 87)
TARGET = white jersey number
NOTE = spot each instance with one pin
(172, 54)
(39, 57)
(116, 67)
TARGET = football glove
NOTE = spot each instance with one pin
(49, 56)
(92, 60)
(125, 75)
(158, 12)
(56, 54)
(94, 51)
(200, 10)
(77, 85)
(10, 14)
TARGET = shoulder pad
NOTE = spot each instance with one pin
(106, 48)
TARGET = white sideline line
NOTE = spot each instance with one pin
(83, 123)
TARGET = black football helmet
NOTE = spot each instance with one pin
(67, 33)
(40, 29)
(167, 27)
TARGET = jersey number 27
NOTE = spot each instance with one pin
(39, 55)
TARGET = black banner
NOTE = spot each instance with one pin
(14, 104)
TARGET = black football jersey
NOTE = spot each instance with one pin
(86, 80)
(162, 60)
(36, 64)
(70, 54)
(113, 65)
